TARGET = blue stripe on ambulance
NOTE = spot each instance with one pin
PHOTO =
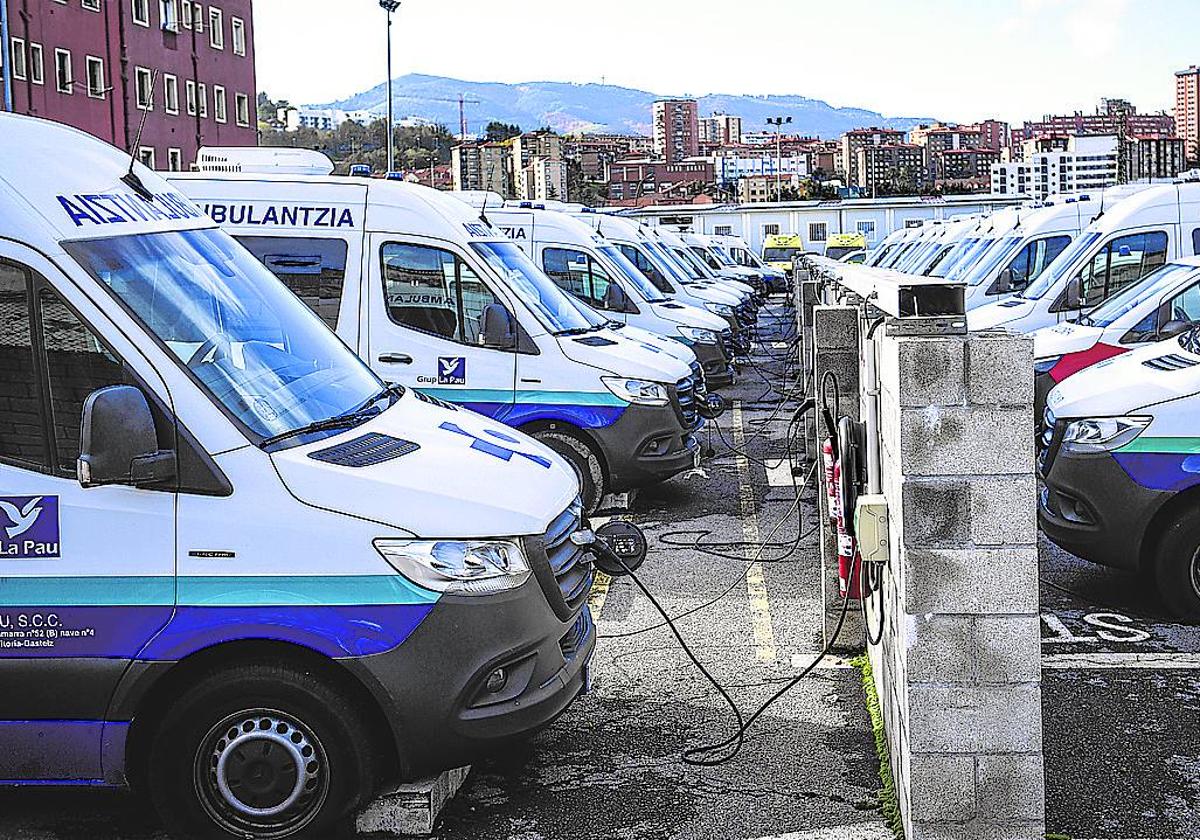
(584, 409)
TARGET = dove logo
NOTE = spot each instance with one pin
(28, 527)
(452, 370)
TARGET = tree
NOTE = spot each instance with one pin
(497, 131)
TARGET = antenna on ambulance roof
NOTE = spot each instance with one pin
(130, 178)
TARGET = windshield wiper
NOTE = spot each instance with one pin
(574, 331)
(340, 421)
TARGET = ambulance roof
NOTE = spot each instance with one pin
(549, 225)
(58, 183)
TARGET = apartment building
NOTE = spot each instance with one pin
(719, 130)
(536, 166)
(890, 164)
(1116, 117)
(854, 141)
(1083, 163)
(480, 166)
(676, 129)
(633, 182)
(731, 165)
(186, 68)
(1187, 111)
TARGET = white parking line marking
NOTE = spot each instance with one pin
(862, 831)
(1114, 661)
(756, 585)
(780, 475)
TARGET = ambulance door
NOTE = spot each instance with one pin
(426, 328)
(87, 575)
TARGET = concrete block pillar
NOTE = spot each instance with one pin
(959, 666)
(835, 340)
(808, 294)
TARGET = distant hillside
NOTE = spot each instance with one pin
(569, 107)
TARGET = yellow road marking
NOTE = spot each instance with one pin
(756, 585)
(600, 584)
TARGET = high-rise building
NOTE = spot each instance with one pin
(1116, 117)
(720, 130)
(1059, 165)
(538, 169)
(480, 166)
(676, 129)
(1187, 111)
(853, 141)
(104, 65)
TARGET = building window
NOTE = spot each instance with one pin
(237, 29)
(20, 65)
(198, 17)
(202, 93)
(189, 92)
(216, 30)
(818, 231)
(768, 230)
(169, 15)
(90, 5)
(242, 109)
(867, 229)
(219, 103)
(723, 230)
(146, 156)
(64, 80)
(145, 89)
(141, 12)
(174, 160)
(170, 94)
(185, 14)
(37, 66)
(95, 77)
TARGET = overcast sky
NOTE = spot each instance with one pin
(955, 59)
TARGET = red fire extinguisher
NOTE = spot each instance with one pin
(848, 559)
(831, 494)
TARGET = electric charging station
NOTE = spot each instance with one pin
(928, 524)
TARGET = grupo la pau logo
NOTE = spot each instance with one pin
(28, 527)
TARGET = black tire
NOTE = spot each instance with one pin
(1177, 567)
(309, 761)
(583, 460)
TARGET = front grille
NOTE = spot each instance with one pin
(570, 564)
(576, 637)
(1172, 361)
(727, 342)
(685, 396)
(698, 380)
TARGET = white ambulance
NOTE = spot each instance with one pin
(221, 534)
(1132, 237)
(425, 290)
(591, 268)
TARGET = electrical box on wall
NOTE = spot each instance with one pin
(871, 528)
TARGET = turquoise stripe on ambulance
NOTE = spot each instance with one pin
(223, 591)
(501, 395)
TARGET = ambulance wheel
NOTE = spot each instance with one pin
(1177, 567)
(259, 751)
(583, 460)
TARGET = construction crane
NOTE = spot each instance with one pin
(462, 101)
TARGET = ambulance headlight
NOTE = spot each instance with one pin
(1041, 366)
(722, 309)
(458, 567)
(639, 391)
(698, 336)
(1103, 434)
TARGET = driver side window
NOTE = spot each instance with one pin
(1125, 260)
(434, 291)
(577, 273)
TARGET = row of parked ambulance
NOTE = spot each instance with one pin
(1108, 283)
(295, 468)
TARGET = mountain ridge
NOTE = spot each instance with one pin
(597, 108)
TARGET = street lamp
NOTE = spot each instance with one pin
(779, 123)
(390, 6)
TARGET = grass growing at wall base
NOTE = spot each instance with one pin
(887, 793)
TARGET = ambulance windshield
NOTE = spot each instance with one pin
(260, 353)
(554, 308)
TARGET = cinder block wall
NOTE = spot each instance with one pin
(835, 340)
(958, 669)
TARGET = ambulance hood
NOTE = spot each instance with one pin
(675, 349)
(688, 316)
(1000, 313)
(461, 475)
(1064, 338)
(1125, 384)
(621, 354)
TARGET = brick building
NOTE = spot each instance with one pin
(1117, 117)
(634, 182)
(676, 129)
(1187, 111)
(854, 141)
(101, 65)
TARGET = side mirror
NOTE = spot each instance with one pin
(1174, 328)
(615, 299)
(1072, 295)
(497, 329)
(118, 443)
